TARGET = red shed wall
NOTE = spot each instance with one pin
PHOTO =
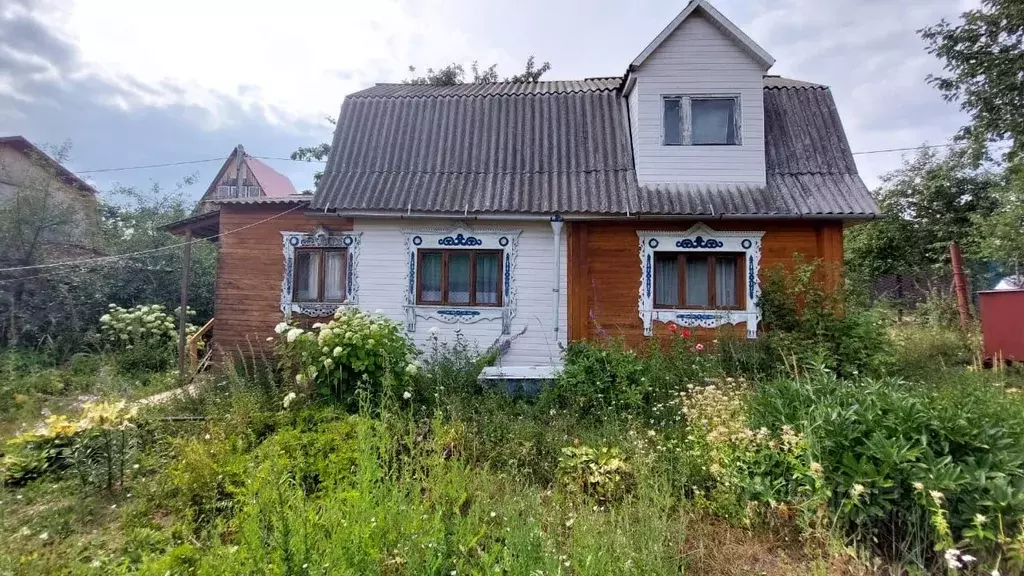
(1002, 323)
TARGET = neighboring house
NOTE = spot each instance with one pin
(243, 176)
(552, 211)
(71, 204)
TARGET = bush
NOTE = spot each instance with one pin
(354, 349)
(809, 323)
(144, 338)
(912, 468)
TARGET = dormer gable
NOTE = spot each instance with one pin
(243, 176)
(694, 96)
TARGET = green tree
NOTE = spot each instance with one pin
(42, 220)
(450, 75)
(1000, 232)
(983, 58)
(930, 201)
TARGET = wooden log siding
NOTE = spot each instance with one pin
(604, 267)
(250, 267)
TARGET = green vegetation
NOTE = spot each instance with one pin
(845, 441)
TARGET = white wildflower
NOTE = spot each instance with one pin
(407, 395)
(44, 536)
(980, 519)
(936, 496)
(288, 398)
(918, 486)
(281, 327)
(293, 334)
(967, 559)
(952, 557)
(857, 489)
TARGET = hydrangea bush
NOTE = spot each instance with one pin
(144, 337)
(353, 350)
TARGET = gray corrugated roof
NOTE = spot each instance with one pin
(488, 89)
(533, 152)
(564, 147)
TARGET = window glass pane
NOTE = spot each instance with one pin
(713, 121)
(487, 270)
(458, 278)
(334, 276)
(307, 274)
(697, 281)
(430, 276)
(725, 281)
(673, 122)
(666, 279)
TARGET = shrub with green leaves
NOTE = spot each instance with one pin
(352, 350)
(912, 467)
(144, 337)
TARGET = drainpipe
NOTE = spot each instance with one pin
(556, 229)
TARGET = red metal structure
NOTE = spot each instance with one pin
(1002, 324)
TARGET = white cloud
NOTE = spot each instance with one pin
(292, 62)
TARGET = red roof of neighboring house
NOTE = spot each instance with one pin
(32, 151)
(271, 181)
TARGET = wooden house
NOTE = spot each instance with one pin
(538, 213)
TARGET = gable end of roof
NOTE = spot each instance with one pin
(718, 19)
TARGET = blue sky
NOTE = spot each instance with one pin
(133, 82)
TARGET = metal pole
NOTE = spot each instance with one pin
(186, 269)
(960, 286)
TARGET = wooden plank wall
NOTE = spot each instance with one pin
(605, 273)
(250, 267)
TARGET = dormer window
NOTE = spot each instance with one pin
(700, 121)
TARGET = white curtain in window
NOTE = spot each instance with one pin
(307, 274)
(430, 277)
(725, 282)
(458, 278)
(487, 270)
(713, 121)
(697, 281)
(666, 280)
(334, 276)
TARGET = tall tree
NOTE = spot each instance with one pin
(450, 75)
(931, 200)
(1000, 232)
(983, 58)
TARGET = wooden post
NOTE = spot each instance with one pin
(186, 272)
(960, 286)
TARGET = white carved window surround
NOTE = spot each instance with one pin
(703, 240)
(462, 238)
(320, 237)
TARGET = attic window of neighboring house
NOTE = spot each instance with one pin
(320, 274)
(700, 121)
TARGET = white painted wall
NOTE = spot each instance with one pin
(382, 286)
(698, 58)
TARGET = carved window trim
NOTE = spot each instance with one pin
(320, 237)
(462, 238)
(700, 238)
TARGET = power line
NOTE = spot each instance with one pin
(123, 168)
(87, 261)
(288, 159)
(902, 149)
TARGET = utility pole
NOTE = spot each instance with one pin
(960, 286)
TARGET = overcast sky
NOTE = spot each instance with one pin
(133, 82)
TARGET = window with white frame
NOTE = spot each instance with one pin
(700, 121)
(700, 277)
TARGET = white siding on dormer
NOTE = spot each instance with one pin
(634, 122)
(698, 58)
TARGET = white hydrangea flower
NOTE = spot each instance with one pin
(338, 350)
(281, 327)
(288, 399)
(293, 334)
(407, 395)
(105, 318)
